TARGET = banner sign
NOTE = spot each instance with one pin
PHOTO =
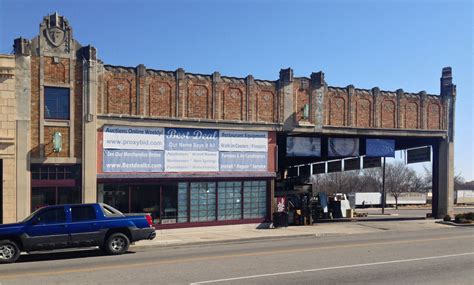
(352, 164)
(370, 162)
(343, 147)
(334, 166)
(243, 161)
(243, 141)
(419, 155)
(117, 137)
(133, 160)
(145, 149)
(303, 146)
(380, 148)
(185, 161)
(191, 139)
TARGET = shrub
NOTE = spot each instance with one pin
(464, 218)
(447, 218)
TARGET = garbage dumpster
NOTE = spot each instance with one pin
(280, 219)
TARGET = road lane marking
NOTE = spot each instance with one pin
(330, 268)
(217, 257)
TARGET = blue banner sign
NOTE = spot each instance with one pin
(120, 160)
(380, 148)
(191, 139)
(243, 161)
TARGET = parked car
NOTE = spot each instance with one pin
(69, 226)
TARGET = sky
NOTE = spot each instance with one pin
(389, 44)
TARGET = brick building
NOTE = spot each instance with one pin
(192, 149)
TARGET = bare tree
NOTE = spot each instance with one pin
(398, 179)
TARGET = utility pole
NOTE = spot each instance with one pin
(383, 187)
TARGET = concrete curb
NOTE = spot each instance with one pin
(377, 219)
(455, 224)
(229, 241)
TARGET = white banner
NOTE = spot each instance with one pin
(303, 146)
(191, 161)
(243, 141)
(121, 137)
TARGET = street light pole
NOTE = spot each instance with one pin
(383, 187)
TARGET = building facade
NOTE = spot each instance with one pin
(191, 149)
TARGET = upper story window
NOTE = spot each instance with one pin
(56, 103)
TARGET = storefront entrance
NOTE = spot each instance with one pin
(191, 202)
(55, 184)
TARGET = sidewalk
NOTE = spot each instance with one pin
(233, 233)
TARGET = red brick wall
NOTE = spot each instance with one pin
(48, 141)
(56, 72)
(162, 97)
(120, 93)
(336, 108)
(362, 105)
(302, 98)
(35, 106)
(198, 99)
(410, 118)
(233, 103)
(388, 111)
(78, 112)
(434, 115)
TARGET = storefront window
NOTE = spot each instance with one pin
(117, 196)
(47, 196)
(255, 199)
(203, 201)
(146, 199)
(183, 202)
(230, 201)
(170, 203)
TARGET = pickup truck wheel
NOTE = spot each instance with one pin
(117, 243)
(9, 251)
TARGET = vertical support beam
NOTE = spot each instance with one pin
(89, 130)
(445, 153)
(318, 90)
(421, 111)
(285, 88)
(216, 78)
(180, 92)
(399, 109)
(376, 112)
(23, 127)
(350, 94)
(140, 78)
(249, 114)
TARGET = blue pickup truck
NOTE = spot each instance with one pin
(79, 225)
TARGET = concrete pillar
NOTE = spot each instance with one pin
(443, 162)
(285, 86)
(443, 178)
(23, 131)
(89, 133)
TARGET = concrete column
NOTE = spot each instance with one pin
(89, 131)
(443, 173)
(285, 86)
(23, 131)
(318, 90)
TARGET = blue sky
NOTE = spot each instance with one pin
(389, 44)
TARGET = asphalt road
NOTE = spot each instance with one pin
(441, 256)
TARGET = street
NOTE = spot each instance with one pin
(428, 256)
